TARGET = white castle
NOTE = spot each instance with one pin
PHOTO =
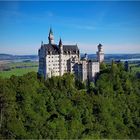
(55, 60)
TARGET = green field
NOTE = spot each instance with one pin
(15, 64)
(17, 72)
(27, 67)
(134, 67)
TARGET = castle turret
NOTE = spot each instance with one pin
(51, 37)
(61, 57)
(42, 43)
(60, 46)
(100, 54)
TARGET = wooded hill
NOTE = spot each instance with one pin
(62, 107)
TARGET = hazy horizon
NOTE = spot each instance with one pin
(114, 24)
(80, 53)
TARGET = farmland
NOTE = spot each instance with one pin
(17, 68)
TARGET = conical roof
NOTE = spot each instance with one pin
(51, 32)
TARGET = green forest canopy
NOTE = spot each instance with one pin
(62, 107)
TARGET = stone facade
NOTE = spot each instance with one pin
(86, 69)
(55, 60)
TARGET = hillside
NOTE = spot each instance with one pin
(17, 57)
(64, 108)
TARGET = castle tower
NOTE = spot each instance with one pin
(61, 58)
(42, 43)
(60, 46)
(100, 54)
(51, 37)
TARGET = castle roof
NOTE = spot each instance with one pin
(54, 49)
(51, 32)
(70, 48)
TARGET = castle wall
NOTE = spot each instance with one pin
(56, 65)
(42, 62)
(93, 69)
(84, 70)
(53, 68)
(78, 71)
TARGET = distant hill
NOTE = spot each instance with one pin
(5, 56)
(18, 57)
(108, 57)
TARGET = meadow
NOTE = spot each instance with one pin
(135, 67)
(19, 69)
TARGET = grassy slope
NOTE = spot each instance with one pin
(19, 71)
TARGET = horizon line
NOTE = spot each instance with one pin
(80, 53)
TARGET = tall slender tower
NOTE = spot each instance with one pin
(51, 37)
(100, 54)
(61, 58)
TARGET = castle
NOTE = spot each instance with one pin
(55, 60)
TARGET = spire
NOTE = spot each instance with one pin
(41, 43)
(51, 37)
(60, 42)
(51, 32)
(60, 46)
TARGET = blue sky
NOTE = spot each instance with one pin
(116, 25)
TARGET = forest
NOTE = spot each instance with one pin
(65, 108)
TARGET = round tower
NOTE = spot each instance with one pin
(100, 53)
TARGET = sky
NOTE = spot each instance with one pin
(114, 24)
